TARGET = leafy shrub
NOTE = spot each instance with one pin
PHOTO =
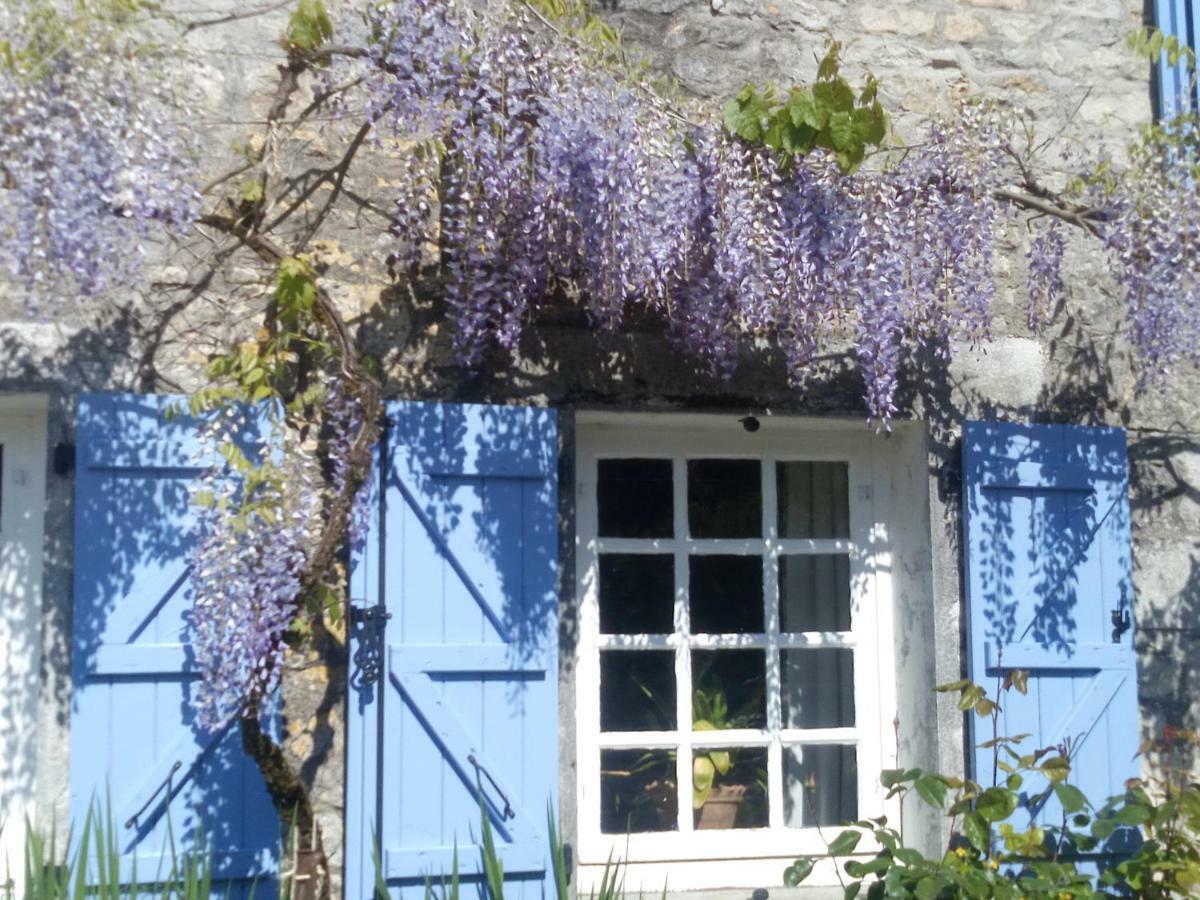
(1144, 843)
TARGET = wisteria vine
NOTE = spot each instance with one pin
(532, 168)
(555, 170)
(94, 152)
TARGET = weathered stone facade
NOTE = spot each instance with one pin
(1063, 61)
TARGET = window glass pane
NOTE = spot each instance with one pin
(724, 498)
(818, 688)
(814, 593)
(729, 787)
(814, 499)
(637, 690)
(638, 791)
(820, 785)
(637, 593)
(725, 594)
(729, 688)
(634, 498)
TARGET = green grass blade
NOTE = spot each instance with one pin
(493, 869)
(558, 857)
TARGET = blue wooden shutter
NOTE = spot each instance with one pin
(1180, 18)
(1049, 590)
(134, 735)
(462, 551)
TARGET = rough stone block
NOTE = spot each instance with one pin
(963, 27)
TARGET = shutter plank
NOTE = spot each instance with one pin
(1048, 562)
(133, 712)
(467, 529)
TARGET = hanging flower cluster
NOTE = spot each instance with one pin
(1151, 208)
(554, 169)
(259, 510)
(255, 519)
(1045, 259)
(92, 153)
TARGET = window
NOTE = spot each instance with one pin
(732, 682)
(1177, 88)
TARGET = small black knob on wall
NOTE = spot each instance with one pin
(64, 459)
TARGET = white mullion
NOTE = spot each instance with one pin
(774, 672)
(636, 740)
(732, 641)
(806, 640)
(637, 641)
(725, 737)
(683, 655)
(820, 736)
(647, 546)
(814, 546)
(726, 546)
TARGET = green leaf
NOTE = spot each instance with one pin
(746, 114)
(797, 872)
(975, 827)
(1056, 768)
(984, 707)
(996, 804)
(828, 67)
(841, 130)
(851, 158)
(703, 772)
(804, 110)
(932, 790)
(310, 25)
(1019, 679)
(857, 868)
(722, 760)
(1133, 814)
(1104, 828)
(774, 136)
(844, 843)
(971, 695)
(1070, 797)
(843, 95)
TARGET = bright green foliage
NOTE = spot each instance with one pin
(829, 114)
(710, 712)
(309, 26)
(51, 28)
(264, 369)
(1151, 43)
(994, 852)
(577, 18)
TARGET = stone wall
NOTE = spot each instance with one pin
(1061, 60)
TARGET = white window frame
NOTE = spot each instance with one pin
(749, 857)
(22, 504)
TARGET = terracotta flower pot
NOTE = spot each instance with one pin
(721, 807)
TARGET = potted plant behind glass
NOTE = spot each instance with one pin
(718, 803)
